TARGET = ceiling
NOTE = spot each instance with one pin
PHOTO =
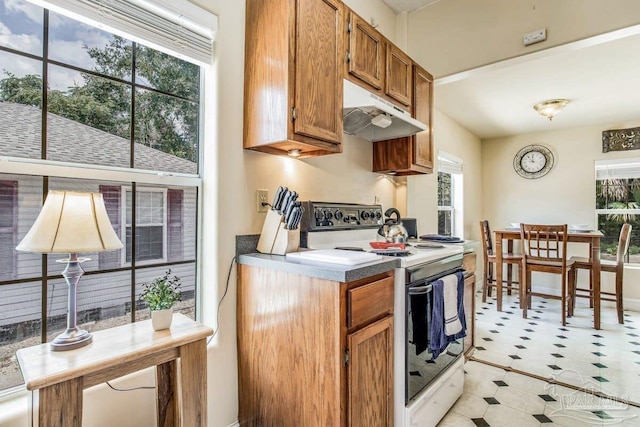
(400, 6)
(600, 76)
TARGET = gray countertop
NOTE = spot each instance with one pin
(326, 271)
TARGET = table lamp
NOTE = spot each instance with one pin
(71, 222)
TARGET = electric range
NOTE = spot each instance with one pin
(353, 226)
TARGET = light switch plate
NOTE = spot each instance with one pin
(262, 196)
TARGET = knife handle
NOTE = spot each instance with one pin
(278, 198)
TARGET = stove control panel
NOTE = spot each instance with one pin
(326, 216)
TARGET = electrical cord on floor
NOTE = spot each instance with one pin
(226, 289)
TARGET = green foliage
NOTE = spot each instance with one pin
(162, 292)
(611, 249)
(162, 122)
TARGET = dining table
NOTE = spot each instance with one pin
(591, 237)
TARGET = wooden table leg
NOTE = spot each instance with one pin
(595, 271)
(498, 253)
(167, 394)
(61, 404)
(193, 378)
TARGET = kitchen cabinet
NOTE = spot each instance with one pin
(399, 77)
(294, 53)
(411, 155)
(469, 264)
(366, 53)
(314, 352)
(376, 64)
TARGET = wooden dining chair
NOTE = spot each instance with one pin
(489, 258)
(544, 249)
(616, 267)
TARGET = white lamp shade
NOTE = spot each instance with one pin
(71, 222)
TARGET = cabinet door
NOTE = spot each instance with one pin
(318, 69)
(399, 75)
(422, 107)
(366, 50)
(470, 314)
(370, 375)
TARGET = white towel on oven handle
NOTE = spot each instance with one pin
(452, 324)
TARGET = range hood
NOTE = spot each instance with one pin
(372, 118)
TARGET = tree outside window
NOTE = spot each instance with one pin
(618, 202)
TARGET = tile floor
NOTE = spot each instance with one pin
(607, 360)
(497, 398)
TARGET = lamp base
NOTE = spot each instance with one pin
(71, 339)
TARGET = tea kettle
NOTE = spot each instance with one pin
(392, 230)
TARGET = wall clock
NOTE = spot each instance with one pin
(533, 161)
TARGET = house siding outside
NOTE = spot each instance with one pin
(21, 302)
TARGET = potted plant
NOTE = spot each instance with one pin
(160, 295)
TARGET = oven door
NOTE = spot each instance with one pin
(420, 370)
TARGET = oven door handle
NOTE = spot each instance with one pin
(420, 290)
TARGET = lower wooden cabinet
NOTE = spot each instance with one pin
(469, 264)
(370, 375)
(469, 311)
(314, 352)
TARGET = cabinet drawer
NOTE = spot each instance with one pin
(469, 262)
(369, 301)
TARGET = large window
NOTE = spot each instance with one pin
(86, 110)
(618, 202)
(449, 195)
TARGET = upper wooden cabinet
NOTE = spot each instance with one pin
(376, 64)
(412, 155)
(294, 53)
(366, 52)
(398, 81)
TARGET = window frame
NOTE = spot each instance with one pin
(123, 176)
(617, 169)
(124, 224)
(14, 228)
(447, 208)
(453, 166)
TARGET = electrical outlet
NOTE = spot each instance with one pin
(376, 200)
(262, 196)
(535, 37)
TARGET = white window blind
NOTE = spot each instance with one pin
(618, 169)
(449, 164)
(178, 27)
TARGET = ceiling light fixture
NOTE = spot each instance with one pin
(550, 107)
(294, 152)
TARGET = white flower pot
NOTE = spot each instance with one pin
(161, 319)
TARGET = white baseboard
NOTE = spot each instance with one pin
(631, 304)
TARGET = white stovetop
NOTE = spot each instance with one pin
(362, 238)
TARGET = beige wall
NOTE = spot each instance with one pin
(565, 195)
(232, 176)
(422, 190)
(455, 35)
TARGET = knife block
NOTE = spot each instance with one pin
(275, 238)
(286, 241)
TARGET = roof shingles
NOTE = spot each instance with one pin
(70, 141)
